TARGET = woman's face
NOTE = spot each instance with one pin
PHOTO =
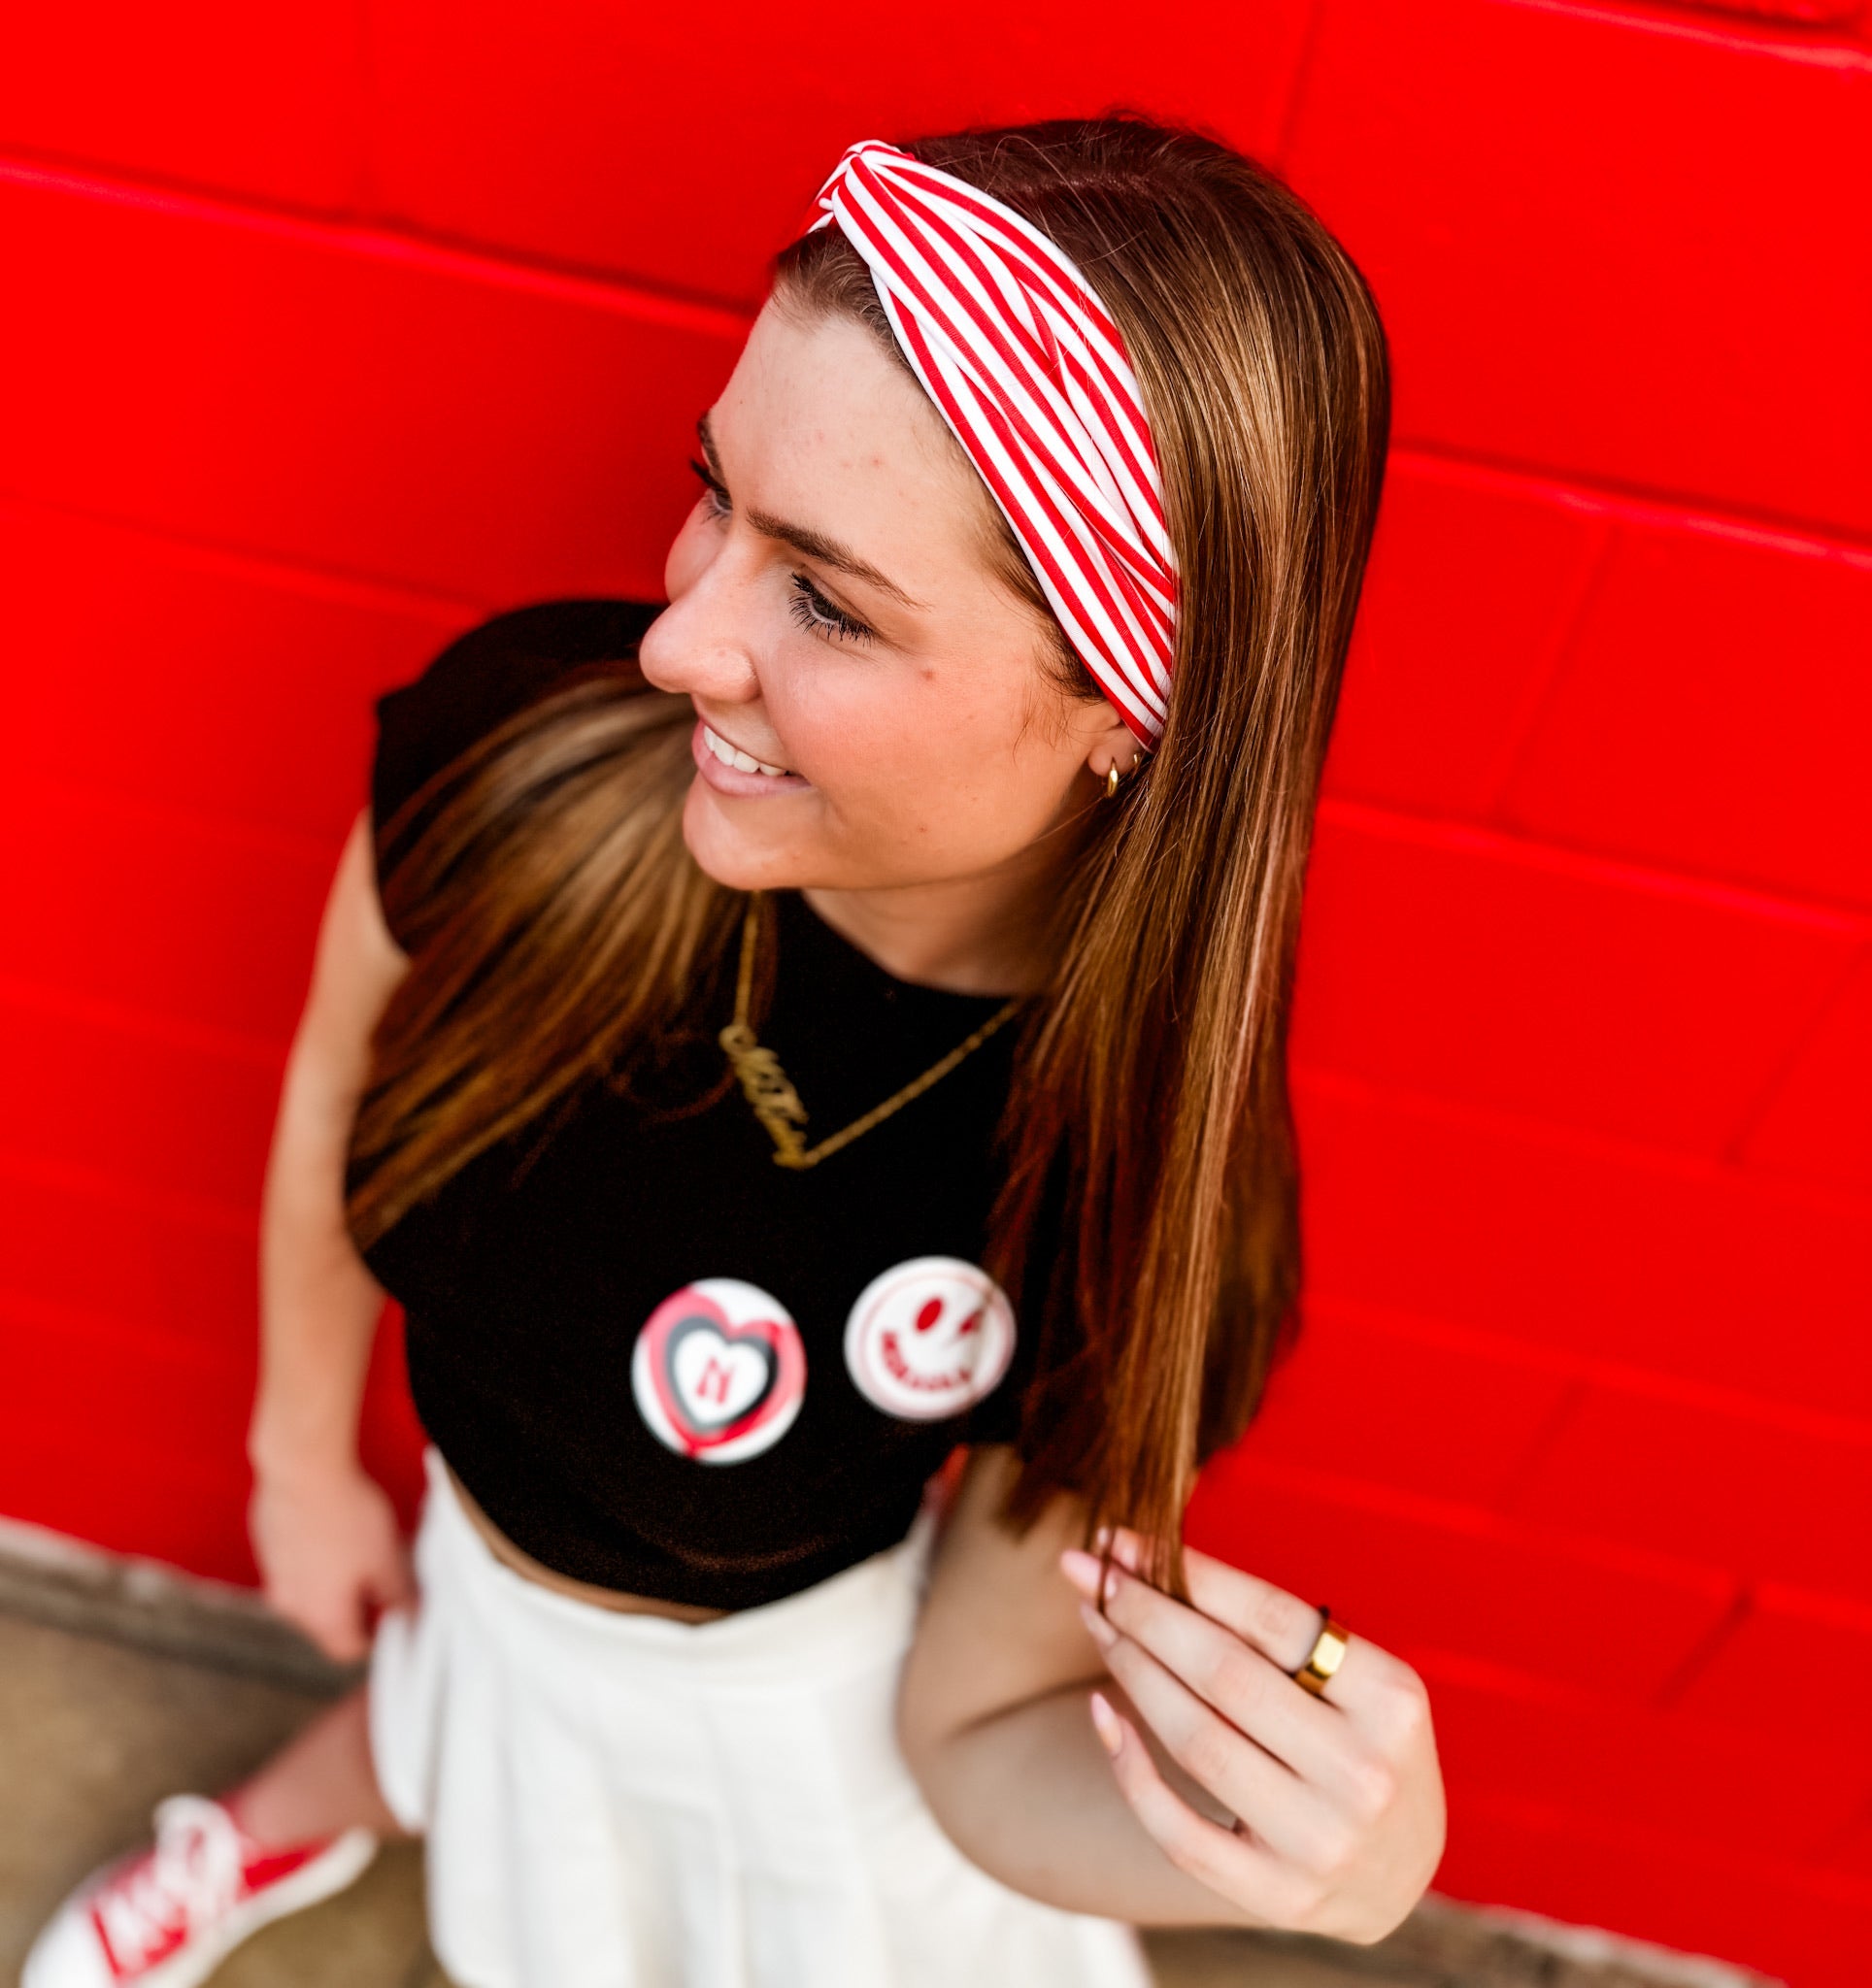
(835, 614)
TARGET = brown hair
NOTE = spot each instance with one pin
(560, 925)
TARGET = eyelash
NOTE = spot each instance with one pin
(715, 497)
(809, 606)
(813, 611)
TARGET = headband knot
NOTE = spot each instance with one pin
(1029, 372)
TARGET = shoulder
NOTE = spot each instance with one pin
(486, 675)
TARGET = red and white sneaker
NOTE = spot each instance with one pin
(168, 1916)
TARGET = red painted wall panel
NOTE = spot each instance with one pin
(1534, 1598)
(1808, 1921)
(348, 323)
(347, 402)
(1498, 1732)
(1853, 1858)
(180, 912)
(589, 134)
(1473, 588)
(179, 1265)
(90, 1083)
(1704, 1274)
(1715, 686)
(270, 722)
(1630, 248)
(1502, 974)
(84, 1452)
(1476, 1407)
(1741, 1685)
(1818, 1123)
(266, 100)
(1785, 1495)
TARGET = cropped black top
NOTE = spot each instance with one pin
(658, 1361)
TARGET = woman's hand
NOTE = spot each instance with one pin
(1338, 1800)
(331, 1553)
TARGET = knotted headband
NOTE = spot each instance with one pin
(1029, 371)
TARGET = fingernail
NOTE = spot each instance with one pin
(1082, 1569)
(1105, 1723)
(1125, 1551)
(1097, 1628)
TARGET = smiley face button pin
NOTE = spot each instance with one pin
(719, 1371)
(929, 1338)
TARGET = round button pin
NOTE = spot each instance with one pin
(719, 1371)
(929, 1338)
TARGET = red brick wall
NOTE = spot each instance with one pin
(332, 327)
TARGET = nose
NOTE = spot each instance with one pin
(700, 643)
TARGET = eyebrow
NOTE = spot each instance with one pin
(802, 538)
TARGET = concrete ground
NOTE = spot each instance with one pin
(119, 1687)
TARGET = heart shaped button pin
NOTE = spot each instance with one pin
(719, 1371)
(929, 1338)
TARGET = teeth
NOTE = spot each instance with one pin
(731, 756)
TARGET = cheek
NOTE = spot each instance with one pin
(910, 764)
(865, 729)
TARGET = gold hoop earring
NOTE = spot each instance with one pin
(1111, 780)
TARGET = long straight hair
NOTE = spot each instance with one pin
(560, 927)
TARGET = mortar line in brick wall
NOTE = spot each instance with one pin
(1836, 1610)
(1440, 1663)
(1580, 1141)
(1536, 1449)
(389, 242)
(1294, 100)
(1532, 1696)
(1537, 1692)
(1643, 500)
(1739, 34)
(1703, 1652)
(112, 1329)
(1847, 1836)
(707, 313)
(144, 1024)
(406, 599)
(369, 180)
(123, 1194)
(222, 1479)
(1553, 1818)
(319, 851)
(1550, 486)
(1848, 27)
(1461, 837)
(1794, 1051)
(1588, 1370)
(1715, 1584)
(1545, 677)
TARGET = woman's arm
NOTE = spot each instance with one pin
(325, 1534)
(1340, 1803)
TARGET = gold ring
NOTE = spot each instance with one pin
(1324, 1660)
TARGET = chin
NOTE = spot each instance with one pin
(726, 851)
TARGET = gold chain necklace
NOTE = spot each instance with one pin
(770, 1091)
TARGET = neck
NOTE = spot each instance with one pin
(968, 935)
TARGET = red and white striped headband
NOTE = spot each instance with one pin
(1029, 371)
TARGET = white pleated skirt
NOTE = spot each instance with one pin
(622, 1801)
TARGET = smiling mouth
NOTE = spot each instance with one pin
(732, 755)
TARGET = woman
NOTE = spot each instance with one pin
(770, 1044)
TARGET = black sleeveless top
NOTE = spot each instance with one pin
(658, 1361)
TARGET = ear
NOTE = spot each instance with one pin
(1108, 743)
